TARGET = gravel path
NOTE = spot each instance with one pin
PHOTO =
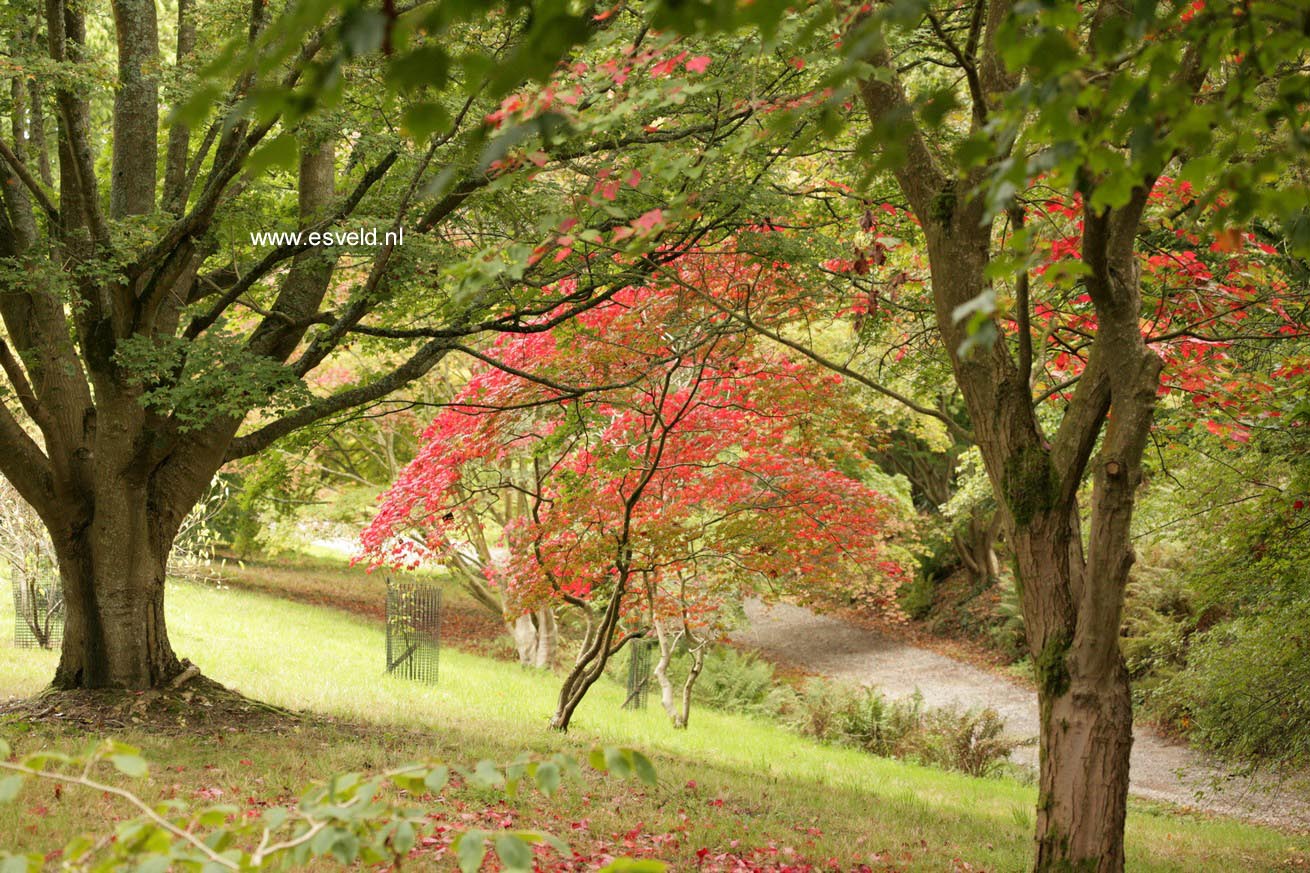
(1161, 770)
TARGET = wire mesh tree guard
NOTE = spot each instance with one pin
(639, 672)
(38, 612)
(413, 630)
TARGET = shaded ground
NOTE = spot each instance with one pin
(197, 704)
(1161, 770)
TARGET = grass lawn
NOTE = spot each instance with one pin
(728, 778)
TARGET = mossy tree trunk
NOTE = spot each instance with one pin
(1071, 588)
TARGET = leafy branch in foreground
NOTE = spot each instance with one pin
(351, 817)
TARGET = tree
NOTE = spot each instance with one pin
(977, 112)
(148, 344)
(1129, 92)
(694, 468)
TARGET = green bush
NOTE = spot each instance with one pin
(917, 596)
(970, 741)
(1248, 688)
(733, 681)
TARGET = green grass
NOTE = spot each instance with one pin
(775, 785)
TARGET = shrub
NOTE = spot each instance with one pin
(733, 681)
(970, 741)
(1248, 688)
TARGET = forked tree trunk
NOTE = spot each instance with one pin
(536, 637)
(677, 705)
(598, 646)
(1071, 595)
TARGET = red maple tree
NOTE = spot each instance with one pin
(660, 463)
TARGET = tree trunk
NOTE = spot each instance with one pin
(597, 648)
(697, 664)
(113, 578)
(536, 637)
(678, 706)
(661, 671)
(1086, 735)
(975, 546)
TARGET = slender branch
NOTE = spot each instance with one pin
(745, 319)
(30, 182)
(201, 323)
(26, 396)
(1024, 316)
(141, 806)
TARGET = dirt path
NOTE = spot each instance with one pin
(1161, 770)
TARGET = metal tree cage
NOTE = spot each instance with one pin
(639, 672)
(38, 612)
(413, 630)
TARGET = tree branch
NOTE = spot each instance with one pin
(416, 366)
(30, 182)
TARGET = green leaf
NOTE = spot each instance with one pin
(129, 765)
(616, 762)
(403, 839)
(436, 779)
(513, 852)
(153, 864)
(38, 760)
(548, 778)
(643, 767)
(9, 786)
(322, 841)
(426, 65)
(598, 760)
(78, 847)
(197, 107)
(549, 839)
(470, 847)
(345, 848)
(362, 31)
(632, 865)
(486, 775)
(19, 863)
(216, 815)
(281, 152)
(421, 120)
(5, 751)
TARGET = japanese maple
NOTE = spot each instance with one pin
(663, 462)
